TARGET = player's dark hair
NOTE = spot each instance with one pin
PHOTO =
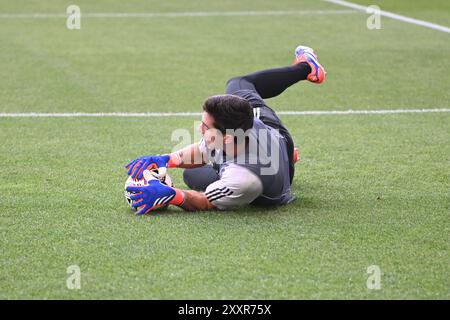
(229, 112)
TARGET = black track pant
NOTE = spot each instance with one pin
(255, 87)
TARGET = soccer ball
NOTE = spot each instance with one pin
(149, 174)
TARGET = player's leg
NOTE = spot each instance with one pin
(271, 82)
(246, 87)
(199, 178)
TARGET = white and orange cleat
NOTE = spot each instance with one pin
(306, 54)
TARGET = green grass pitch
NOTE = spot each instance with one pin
(371, 189)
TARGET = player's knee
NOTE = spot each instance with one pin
(199, 178)
(188, 178)
(232, 85)
(233, 80)
(193, 180)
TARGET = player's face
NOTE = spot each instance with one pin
(213, 138)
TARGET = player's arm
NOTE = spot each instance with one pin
(196, 201)
(157, 194)
(237, 186)
(188, 157)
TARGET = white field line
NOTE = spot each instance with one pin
(196, 114)
(392, 16)
(176, 14)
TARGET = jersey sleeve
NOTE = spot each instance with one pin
(237, 186)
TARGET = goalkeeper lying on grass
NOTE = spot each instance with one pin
(246, 155)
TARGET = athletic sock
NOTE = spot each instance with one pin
(271, 82)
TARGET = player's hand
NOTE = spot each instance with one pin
(137, 166)
(152, 196)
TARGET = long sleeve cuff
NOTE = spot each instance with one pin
(179, 198)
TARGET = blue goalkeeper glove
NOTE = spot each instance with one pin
(154, 195)
(137, 166)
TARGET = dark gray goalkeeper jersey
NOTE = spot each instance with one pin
(259, 176)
